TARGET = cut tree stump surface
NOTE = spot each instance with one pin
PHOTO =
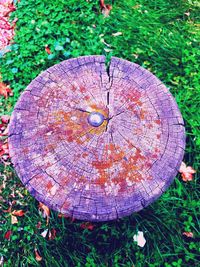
(96, 143)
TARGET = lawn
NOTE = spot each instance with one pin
(162, 36)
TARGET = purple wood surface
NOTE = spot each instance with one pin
(96, 144)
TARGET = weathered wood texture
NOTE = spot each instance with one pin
(96, 173)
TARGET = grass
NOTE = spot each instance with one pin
(162, 36)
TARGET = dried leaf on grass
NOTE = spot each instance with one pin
(105, 9)
(186, 172)
(37, 255)
(5, 90)
(13, 219)
(44, 233)
(19, 213)
(45, 211)
(188, 234)
(52, 234)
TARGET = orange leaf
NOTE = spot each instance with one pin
(186, 172)
(4, 90)
(47, 49)
(45, 211)
(37, 255)
(19, 213)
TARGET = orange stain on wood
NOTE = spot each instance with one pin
(49, 185)
(82, 89)
(142, 114)
(158, 122)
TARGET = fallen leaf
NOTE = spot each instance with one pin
(87, 225)
(19, 213)
(47, 49)
(44, 233)
(8, 210)
(5, 132)
(8, 234)
(139, 238)
(116, 34)
(187, 14)
(38, 226)
(37, 255)
(13, 219)
(45, 211)
(6, 28)
(186, 172)
(5, 90)
(4, 149)
(5, 118)
(188, 234)
(52, 234)
(105, 9)
(136, 6)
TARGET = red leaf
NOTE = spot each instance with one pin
(5, 118)
(4, 148)
(38, 226)
(102, 5)
(4, 90)
(52, 234)
(8, 234)
(47, 49)
(105, 9)
(87, 225)
(19, 213)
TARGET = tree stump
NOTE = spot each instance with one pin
(96, 143)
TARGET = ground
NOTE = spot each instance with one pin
(162, 36)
